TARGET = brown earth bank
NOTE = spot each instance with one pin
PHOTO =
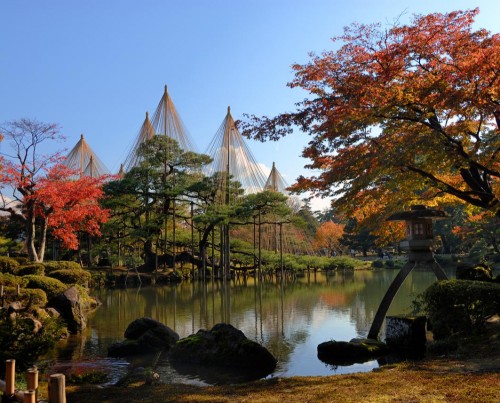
(470, 373)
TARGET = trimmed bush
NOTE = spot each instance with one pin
(10, 280)
(37, 269)
(34, 296)
(28, 297)
(460, 306)
(68, 276)
(51, 286)
(54, 265)
(21, 260)
(479, 272)
(378, 264)
(390, 264)
(8, 265)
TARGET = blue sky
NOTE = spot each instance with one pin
(95, 67)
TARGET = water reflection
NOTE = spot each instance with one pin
(289, 319)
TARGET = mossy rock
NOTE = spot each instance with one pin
(144, 335)
(223, 346)
(354, 351)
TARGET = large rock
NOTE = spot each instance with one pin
(223, 346)
(144, 335)
(72, 309)
(348, 353)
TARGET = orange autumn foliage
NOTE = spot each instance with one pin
(328, 236)
(401, 114)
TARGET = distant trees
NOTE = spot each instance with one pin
(399, 114)
(328, 236)
(41, 194)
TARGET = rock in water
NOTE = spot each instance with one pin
(223, 346)
(69, 304)
(144, 335)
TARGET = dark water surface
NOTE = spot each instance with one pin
(290, 320)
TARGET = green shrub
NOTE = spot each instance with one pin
(51, 286)
(22, 260)
(10, 280)
(378, 264)
(348, 263)
(479, 272)
(68, 276)
(54, 265)
(390, 264)
(18, 341)
(81, 376)
(28, 297)
(8, 265)
(34, 296)
(460, 306)
(37, 269)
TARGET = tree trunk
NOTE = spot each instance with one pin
(31, 234)
(43, 240)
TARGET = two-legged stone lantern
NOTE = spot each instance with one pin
(419, 243)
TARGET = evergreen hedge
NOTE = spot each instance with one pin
(460, 306)
(37, 269)
(8, 265)
(69, 276)
(51, 286)
(54, 265)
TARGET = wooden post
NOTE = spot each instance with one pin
(29, 396)
(10, 377)
(32, 381)
(57, 388)
(18, 290)
(1, 295)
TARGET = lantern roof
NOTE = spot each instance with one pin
(418, 211)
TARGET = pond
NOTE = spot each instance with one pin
(290, 319)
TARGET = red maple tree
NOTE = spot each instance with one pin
(45, 195)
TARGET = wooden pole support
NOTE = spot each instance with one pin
(1, 290)
(57, 388)
(10, 377)
(29, 396)
(32, 380)
(18, 290)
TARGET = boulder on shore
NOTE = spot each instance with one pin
(223, 346)
(72, 309)
(144, 335)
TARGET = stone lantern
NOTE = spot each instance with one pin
(419, 240)
(419, 243)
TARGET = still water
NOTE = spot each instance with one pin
(290, 319)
